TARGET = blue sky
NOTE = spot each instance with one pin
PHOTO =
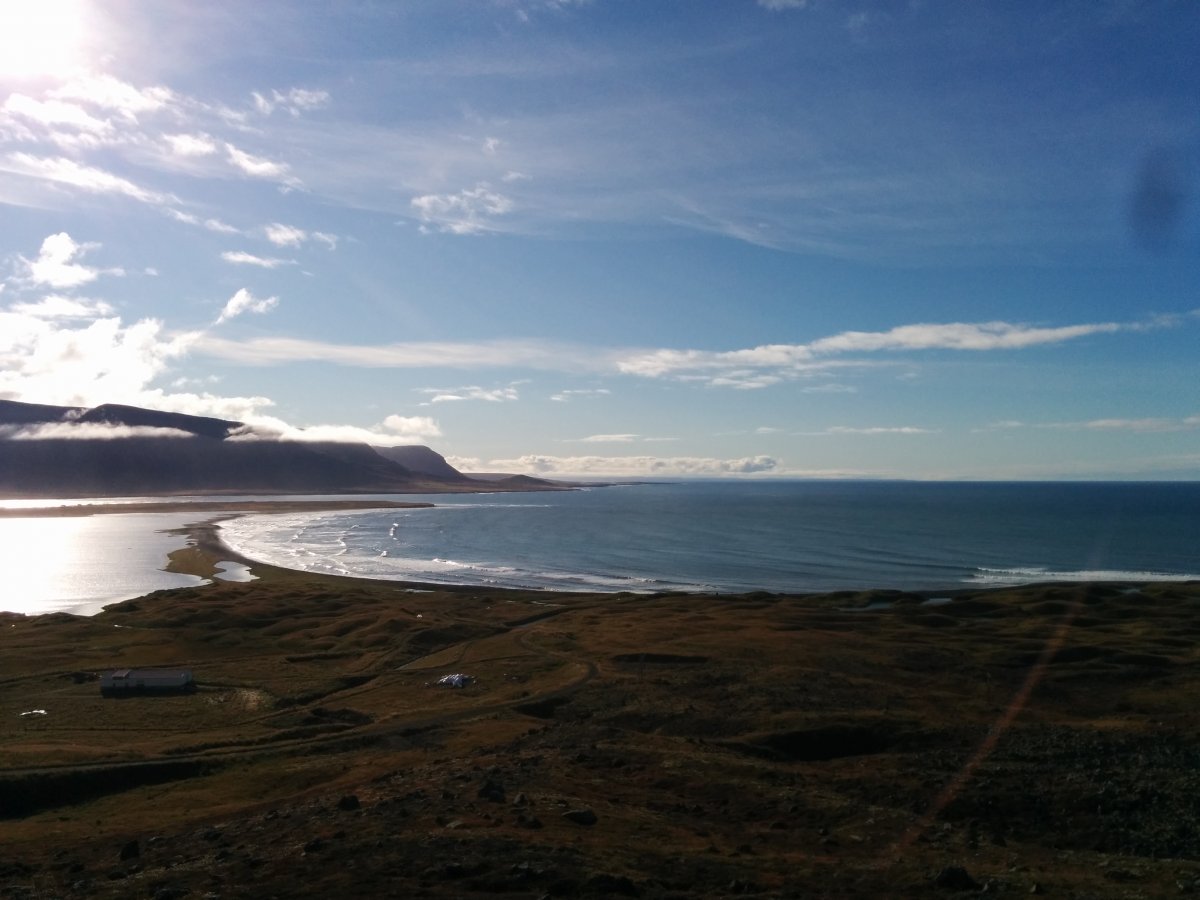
(777, 238)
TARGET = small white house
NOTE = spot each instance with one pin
(146, 680)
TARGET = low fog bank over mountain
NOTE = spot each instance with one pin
(113, 450)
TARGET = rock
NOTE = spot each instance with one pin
(314, 845)
(132, 850)
(955, 878)
(580, 816)
(493, 791)
(348, 803)
(520, 799)
(613, 884)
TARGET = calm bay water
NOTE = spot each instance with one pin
(737, 536)
(699, 536)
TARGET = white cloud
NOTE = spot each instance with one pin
(245, 302)
(635, 466)
(56, 264)
(86, 431)
(1141, 426)
(103, 361)
(566, 396)
(59, 307)
(878, 429)
(66, 171)
(471, 392)
(191, 144)
(215, 225)
(242, 258)
(294, 101)
(528, 354)
(394, 429)
(282, 235)
(470, 211)
(958, 336)
(466, 463)
(256, 166)
(116, 95)
(412, 426)
(768, 364)
(1145, 425)
(607, 439)
(56, 113)
(831, 388)
(285, 235)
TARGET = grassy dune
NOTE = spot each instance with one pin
(1042, 739)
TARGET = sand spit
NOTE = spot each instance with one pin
(204, 506)
(1026, 740)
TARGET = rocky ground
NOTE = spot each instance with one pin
(1040, 740)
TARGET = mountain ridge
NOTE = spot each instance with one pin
(120, 450)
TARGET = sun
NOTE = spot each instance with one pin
(41, 37)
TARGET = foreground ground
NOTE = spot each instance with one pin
(1035, 740)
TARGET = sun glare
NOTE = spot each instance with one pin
(41, 37)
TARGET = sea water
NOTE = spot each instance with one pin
(740, 536)
(695, 536)
(77, 564)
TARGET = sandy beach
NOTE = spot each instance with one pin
(201, 506)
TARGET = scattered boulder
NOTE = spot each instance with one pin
(348, 803)
(606, 884)
(492, 791)
(955, 878)
(581, 816)
(131, 850)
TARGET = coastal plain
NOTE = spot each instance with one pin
(1040, 739)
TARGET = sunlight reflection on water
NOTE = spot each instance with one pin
(80, 564)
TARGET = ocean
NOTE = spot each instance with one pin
(722, 536)
(735, 536)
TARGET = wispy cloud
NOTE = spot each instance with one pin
(568, 395)
(257, 166)
(61, 170)
(290, 236)
(191, 144)
(86, 431)
(770, 363)
(470, 211)
(295, 101)
(528, 354)
(634, 466)
(245, 302)
(112, 94)
(242, 258)
(1144, 425)
(56, 306)
(210, 224)
(471, 392)
(606, 439)
(877, 429)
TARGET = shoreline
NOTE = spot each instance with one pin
(207, 549)
(262, 507)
